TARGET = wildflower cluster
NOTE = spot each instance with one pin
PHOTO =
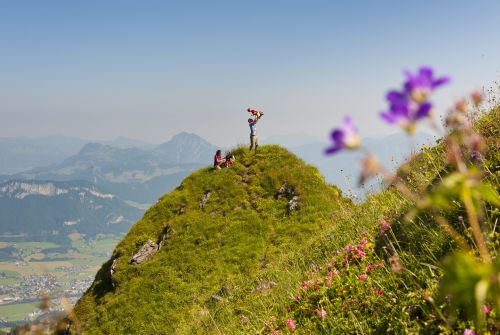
(334, 286)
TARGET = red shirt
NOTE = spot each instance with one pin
(217, 160)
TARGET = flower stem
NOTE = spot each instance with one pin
(474, 223)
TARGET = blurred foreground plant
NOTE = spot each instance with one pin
(54, 322)
(471, 274)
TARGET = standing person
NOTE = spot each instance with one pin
(254, 140)
(218, 160)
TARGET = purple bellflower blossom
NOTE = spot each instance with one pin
(405, 112)
(344, 138)
(410, 105)
(420, 86)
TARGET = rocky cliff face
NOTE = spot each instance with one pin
(49, 207)
(22, 189)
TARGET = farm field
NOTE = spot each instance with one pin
(30, 268)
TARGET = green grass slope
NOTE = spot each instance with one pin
(212, 253)
(326, 287)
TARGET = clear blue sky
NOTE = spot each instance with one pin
(150, 69)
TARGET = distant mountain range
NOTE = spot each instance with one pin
(40, 208)
(136, 174)
(19, 154)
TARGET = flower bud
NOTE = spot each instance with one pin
(477, 97)
(462, 106)
(369, 167)
(396, 265)
(456, 120)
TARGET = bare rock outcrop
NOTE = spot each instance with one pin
(113, 267)
(149, 248)
(293, 204)
(204, 199)
(288, 191)
(145, 253)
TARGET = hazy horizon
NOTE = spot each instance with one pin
(152, 69)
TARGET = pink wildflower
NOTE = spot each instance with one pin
(321, 313)
(487, 309)
(349, 248)
(335, 272)
(384, 224)
(305, 284)
(360, 253)
(469, 332)
(363, 277)
(370, 268)
(328, 281)
(290, 324)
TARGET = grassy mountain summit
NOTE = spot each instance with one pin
(217, 232)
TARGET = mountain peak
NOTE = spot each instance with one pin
(187, 137)
(186, 148)
(218, 227)
(92, 147)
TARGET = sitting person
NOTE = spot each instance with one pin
(218, 160)
(229, 160)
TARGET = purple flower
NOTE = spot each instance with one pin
(345, 138)
(403, 111)
(420, 86)
(410, 105)
(474, 155)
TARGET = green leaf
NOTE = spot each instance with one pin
(489, 194)
(469, 283)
